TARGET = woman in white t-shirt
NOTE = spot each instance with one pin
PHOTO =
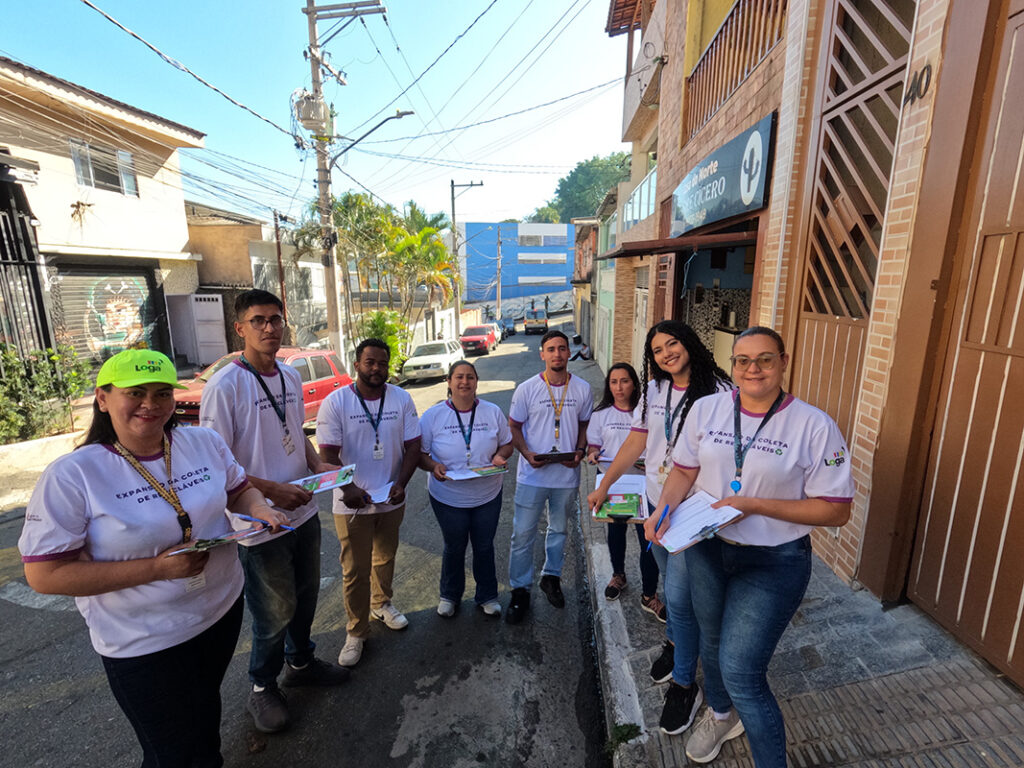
(785, 466)
(103, 525)
(682, 371)
(609, 428)
(460, 435)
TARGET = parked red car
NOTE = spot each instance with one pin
(478, 338)
(321, 372)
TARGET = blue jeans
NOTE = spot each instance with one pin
(462, 525)
(617, 553)
(172, 697)
(529, 504)
(681, 626)
(282, 582)
(744, 598)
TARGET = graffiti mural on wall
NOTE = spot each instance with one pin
(115, 315)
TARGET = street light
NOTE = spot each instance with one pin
(397, 116)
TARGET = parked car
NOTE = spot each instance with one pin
(498, 333)
(478, 338)
(320, 369)
(432, 360)
(535, 321)
(508, 327)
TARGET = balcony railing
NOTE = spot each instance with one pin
(749, 32)
(640, 204)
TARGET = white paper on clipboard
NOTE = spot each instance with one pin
(694, 520)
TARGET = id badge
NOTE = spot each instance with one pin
(195, 582)
(378, 452)
(288, 443)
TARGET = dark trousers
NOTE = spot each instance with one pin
(461, 526)
(617, 552)
(282, 583)
(172, 697)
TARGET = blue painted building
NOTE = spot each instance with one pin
(536, 261)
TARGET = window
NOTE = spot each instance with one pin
(541, 258)
(554, 240)
(321, 368)
(104, 168)
(541, 281)
(337, 364)
(300, 365)
(531, 240)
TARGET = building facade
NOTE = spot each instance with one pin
(875, 220)
(517, 265)
(95, 187)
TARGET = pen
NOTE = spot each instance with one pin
(266, 523)
(660, 521)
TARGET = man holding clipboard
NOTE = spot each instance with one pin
(548, 418)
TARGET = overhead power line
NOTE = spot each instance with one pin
(424, 72)
(178, 65)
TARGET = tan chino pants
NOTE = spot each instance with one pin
(368, 547)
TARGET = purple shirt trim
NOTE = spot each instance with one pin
(239, 487)
(414, 440)
(785, 404)
(516, 423)
(238, 361)
(641, 430)
(476, 401)
(328, 445)
(622, 410)
(683, 466)
(154, 457)
(835, 499)
(71, 554)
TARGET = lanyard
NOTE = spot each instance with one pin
(467, 435)
(671, 416)
(557, 408)
(740, 453)
(168, 494)
(375, 423)
(278, 409)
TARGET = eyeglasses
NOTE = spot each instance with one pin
(765, 361)
(260, 322)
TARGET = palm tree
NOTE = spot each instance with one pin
(416, 219)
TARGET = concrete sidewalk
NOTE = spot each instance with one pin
(858, 685)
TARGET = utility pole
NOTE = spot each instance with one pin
(498, 296)
(329, 239)
(455, 248)
(280, 266)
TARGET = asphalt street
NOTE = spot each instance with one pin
(466, 691)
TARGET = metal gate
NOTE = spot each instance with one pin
(23, 322)
(865, 62)
(102, 311)
(967, 569)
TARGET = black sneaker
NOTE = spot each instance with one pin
(661, 668)
(681, 705)
(518, 605)
(615, 586)
(316, 672)
(552, 587)
(268, 709)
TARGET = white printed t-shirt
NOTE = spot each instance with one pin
(93, 501)
(607, 431)
(799, 454)
(444, 441)
(533, 411)
(235, 406)
(343, 424)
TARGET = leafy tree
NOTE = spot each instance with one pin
(388, 326)
(36, 391)
(546, 214)
(417, 219)
(582, 190)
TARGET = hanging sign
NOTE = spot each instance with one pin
(731, 180)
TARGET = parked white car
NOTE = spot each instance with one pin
(431, 360)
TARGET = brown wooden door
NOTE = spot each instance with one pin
(865, 61)
(968, 565)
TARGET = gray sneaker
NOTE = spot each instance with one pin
(709, 734)
(268, 709)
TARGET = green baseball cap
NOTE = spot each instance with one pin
(138, 366)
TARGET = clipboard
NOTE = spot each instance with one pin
(325, 481)
(551, 458)
(626, 500)
(475, 472)
(694, 520)
(202, 545)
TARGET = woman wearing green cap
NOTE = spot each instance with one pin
(105, 524)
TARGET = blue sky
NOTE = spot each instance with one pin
(253, 51)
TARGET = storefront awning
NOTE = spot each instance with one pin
(684, 243)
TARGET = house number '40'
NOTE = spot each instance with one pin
(918, 85)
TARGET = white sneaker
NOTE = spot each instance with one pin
(491, 608)
(391, 616)
(710, 733)
(352, 651)
(445, 608)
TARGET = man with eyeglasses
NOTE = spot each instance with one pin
(255, 404)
